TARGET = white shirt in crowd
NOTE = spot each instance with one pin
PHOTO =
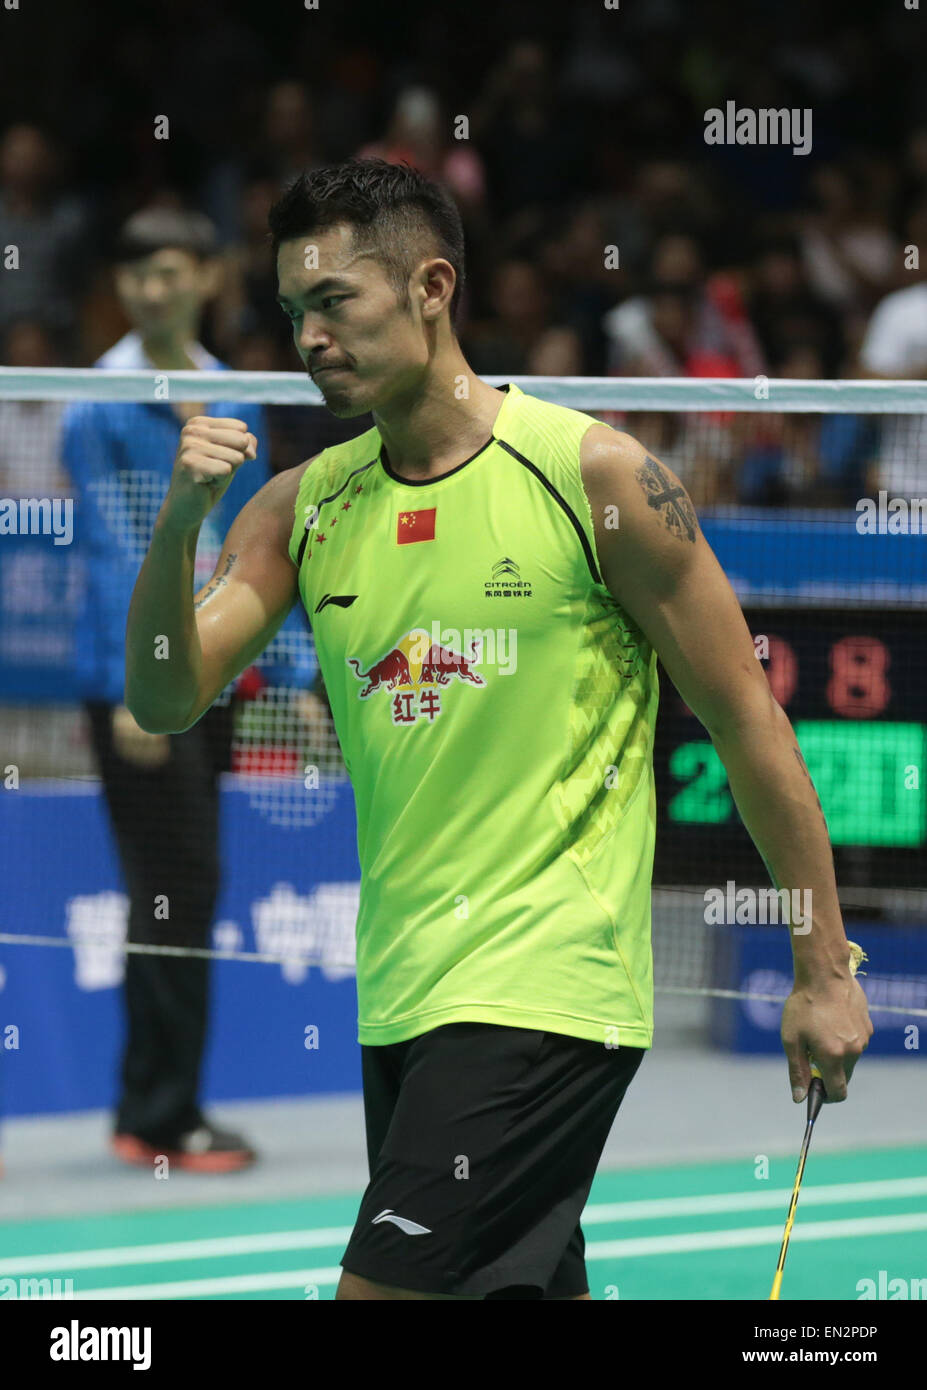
(895, 345)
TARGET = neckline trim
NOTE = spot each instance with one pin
(429, 482)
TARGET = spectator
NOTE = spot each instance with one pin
(418, 134)
(778, 451)
(913, 173)
(47, 231)
(287, 145)
(531, 145)
(523, 337)
(895, 345)
(586, 283)
(161, 790)
(282, 143)
(816, 459)
(655, 199)
(30, 431)
(788, 315)
(848, 253)
(249, 305)
(686, 325)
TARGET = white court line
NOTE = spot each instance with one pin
(217, 1247)
(757, 1235)
(214, 1288)
(227, 1247)
(824, 1195)
(598, 1250)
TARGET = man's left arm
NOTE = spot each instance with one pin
(660, 569)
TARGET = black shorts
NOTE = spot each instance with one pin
(483, 1142)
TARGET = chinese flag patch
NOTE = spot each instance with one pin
(416, 526)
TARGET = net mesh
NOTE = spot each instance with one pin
(812, 494)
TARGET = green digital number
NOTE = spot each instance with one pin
(705, 799)
(870, 778)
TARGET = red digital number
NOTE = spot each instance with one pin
(858, 687)
(782, 670)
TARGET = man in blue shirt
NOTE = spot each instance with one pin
(162, 790)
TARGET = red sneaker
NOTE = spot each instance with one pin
(202, 1150)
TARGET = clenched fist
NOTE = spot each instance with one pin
(210, 453)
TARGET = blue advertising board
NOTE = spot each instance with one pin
(40, 592)
(275, 1029)
(757, 960)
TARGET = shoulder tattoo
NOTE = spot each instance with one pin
(667, 497)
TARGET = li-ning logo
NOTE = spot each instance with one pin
(342, 600)
(411, 1228)
(506, 581)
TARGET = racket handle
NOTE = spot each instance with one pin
(816, 1095)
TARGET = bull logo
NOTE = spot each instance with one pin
(414, 662)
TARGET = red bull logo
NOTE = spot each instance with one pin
(415, 667)
(391, 670)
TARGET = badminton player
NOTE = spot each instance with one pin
(503, 781)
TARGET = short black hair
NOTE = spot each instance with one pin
(393, 210)
(155, 229)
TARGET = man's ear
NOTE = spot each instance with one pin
(438, 281)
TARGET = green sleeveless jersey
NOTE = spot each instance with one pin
(495, 708)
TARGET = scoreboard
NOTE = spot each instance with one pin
(854, 685)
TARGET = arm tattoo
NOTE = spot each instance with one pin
(669, 498)
(216, 583)
(804, 767)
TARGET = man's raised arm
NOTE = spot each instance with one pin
(182, 650)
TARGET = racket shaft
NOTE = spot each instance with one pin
(791, 1216)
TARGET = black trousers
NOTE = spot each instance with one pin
(165, 821)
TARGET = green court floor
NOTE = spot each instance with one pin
(698, 1231)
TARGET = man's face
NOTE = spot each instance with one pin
(346, 315)
(163, 294)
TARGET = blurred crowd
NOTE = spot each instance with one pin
(604, 236)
